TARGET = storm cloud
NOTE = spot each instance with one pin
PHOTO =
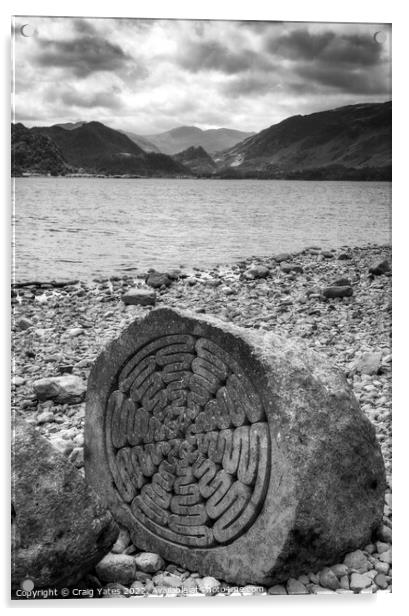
(327, 47)
(82, 56)
(147, 75)
(213, 55)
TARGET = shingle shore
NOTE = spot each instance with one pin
(61, 329)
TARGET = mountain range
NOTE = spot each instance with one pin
(94, 147)
(351, 142)
(212, 140)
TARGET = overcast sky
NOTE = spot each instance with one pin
(149, 76)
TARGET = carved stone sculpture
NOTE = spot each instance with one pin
(233, 452)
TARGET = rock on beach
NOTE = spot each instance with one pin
(60, 529)
(337, 291)
(66, 389)
(139, 297)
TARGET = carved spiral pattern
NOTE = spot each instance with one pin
(188, 442)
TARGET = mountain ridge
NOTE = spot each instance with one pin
(181, 138)
(94, 147)
(356, 138)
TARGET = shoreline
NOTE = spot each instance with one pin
(206, 177)
(188, 268)
(62, 329)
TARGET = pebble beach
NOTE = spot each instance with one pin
(338, 301)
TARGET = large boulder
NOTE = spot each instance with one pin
(60, 527)
(236, 453)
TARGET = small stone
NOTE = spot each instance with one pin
(357, 561)
(18, 381)
(334, 292)
(62, 444)
(122, 542)
(385, 534)
(228, 291)
(368, 363)
(116, 568)
(284, 256)
(340, 570)
(381, 581)
(208, 585)
(22, 324)
(344, 582)
(294, 587)
(288, 268)
(382, 567)
(149, 562)
(157, 280)
(190, 585)
(67, 389)
(139, 297)
(359, 581)
(344, 256)
(328, 579)
(380, 268)
(167, 580)
(45, 417)
(137, 588)
(277, 590)
(382, 547)
(386, 557)
(256, 271)
(75, 332)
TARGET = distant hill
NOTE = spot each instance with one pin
(143, 143)
(35, 153)
(212, 140)
(197, 160)
(94, 147)
(353, 142)
(71, 125)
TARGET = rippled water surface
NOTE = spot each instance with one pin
(84, 227)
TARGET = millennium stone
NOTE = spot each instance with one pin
(233, 452)
(60, 528)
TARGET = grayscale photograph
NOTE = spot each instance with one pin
(201, 307)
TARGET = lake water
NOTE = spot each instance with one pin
(86, 227)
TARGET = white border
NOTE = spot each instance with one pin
(302, 10)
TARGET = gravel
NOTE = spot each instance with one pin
(291, 302)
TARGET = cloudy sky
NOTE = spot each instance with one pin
(149, 76)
